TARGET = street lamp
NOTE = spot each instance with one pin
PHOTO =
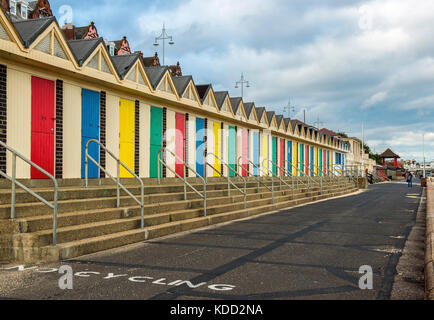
(242, 82)
(164, 36)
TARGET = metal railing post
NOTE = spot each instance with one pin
(14, 179)
(16, 183)
(118, 192)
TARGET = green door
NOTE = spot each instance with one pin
(231, 150)
(301, 158)
(274, 159)
(156, 141)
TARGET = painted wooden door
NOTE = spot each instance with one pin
(301, 159)
(200, 146)
(264, 163)
(320, 162)
(156, 141)
(306, 160)
(217, 147)
(244, 151)
(127, 136)
(295, 158)
(282, 156)
(312, 163)
(180, 143)
(255, 152)
(289, 167)
(90, 115)
(232, 157)
(43, 123)
(274, 158)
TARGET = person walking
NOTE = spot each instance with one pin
(410, 180)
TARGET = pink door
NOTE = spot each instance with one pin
(282, 156)
(180, 143)
(245, 151)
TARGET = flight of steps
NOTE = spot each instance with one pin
(88, 220)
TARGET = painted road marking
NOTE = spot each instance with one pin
(163, 281)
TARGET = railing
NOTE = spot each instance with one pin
(186, 183)
(117, 179)
(311, 174)
(15, 183)
(351, 172)
(298, 178)
(228, 177)
(257, 178)
(281, 170)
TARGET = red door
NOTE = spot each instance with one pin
(180, 143)
(42, 146)
(282, 156)
(307, 160)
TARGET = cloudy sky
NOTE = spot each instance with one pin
(344, 61)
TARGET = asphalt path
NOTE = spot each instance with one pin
(309, 252)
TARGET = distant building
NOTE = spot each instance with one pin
(20, 10)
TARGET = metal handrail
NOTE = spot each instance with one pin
(186, 183)
(15, 183)
(117, 180)
(279, 168)
(255, 177)
(324, 173)
(228, 177)
(312, 174)
(332, 176)
(298, 178)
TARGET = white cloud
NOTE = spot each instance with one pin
(376, 98)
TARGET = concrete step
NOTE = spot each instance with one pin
(42, 222)
(31, 209)
(94, 229)
(79, 192)
(81, 247)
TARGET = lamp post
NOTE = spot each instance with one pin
(164, 36)
(242, 82)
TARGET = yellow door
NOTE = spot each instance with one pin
(295, 162)
(217, 148)
(126, 136)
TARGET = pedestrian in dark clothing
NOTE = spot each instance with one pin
(410, 180)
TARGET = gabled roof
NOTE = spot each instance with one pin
(30, 30)
(203, 90)
(294, 125)
(155, 74)
(124, 63)
(236, 102)
(82, 49)
(279, 119)
(260, 112)
(270, 115)
(287, 123)
(181, 83)
(220, 97)
(389, 154)
(329, 132)
(248, 108)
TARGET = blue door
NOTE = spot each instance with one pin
(312, 162)
(200, 146)
(255, 152)
(289, 156)
(90, 130)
